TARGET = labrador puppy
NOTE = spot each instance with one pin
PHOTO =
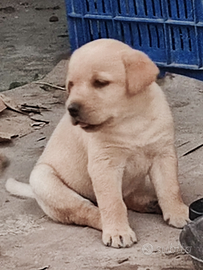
(117, 130)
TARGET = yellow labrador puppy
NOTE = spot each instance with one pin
(117, 130)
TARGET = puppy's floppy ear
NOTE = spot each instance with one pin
(140, 70)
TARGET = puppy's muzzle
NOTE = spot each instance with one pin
(74, 110)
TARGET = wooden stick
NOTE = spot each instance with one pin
(51, 85)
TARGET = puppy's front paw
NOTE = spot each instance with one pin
(119, 238)
(179, 217)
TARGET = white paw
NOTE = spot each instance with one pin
(119, 238)
(179, 217)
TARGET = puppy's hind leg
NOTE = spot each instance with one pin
(143, 199)
(142, 203)
(61, 203)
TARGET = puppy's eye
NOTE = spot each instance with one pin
(100, 83)
(70, 85)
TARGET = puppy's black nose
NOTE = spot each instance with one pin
(74, 109)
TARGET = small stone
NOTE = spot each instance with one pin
(53, 18)
(16, 84)
(8, 9)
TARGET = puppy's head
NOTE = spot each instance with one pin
(103, 75)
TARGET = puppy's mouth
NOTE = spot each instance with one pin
(85, 126)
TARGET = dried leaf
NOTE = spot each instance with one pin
(41, 139)
(2, 105)
(32, 108)
(7, 137)
(50, 85)
(9, 103)
(123, 260)
(39, 118)
(38, 124)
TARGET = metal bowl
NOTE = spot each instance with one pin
(191, 239)
(196, 209)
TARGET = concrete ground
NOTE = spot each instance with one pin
(29, 240)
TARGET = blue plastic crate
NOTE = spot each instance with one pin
(169, 31)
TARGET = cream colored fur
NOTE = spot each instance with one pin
(96, 162)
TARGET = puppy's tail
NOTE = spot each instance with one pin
(19, 189)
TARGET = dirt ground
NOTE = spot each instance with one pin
(30, 44)
(30, 240)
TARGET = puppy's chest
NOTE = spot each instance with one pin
(137, 166)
